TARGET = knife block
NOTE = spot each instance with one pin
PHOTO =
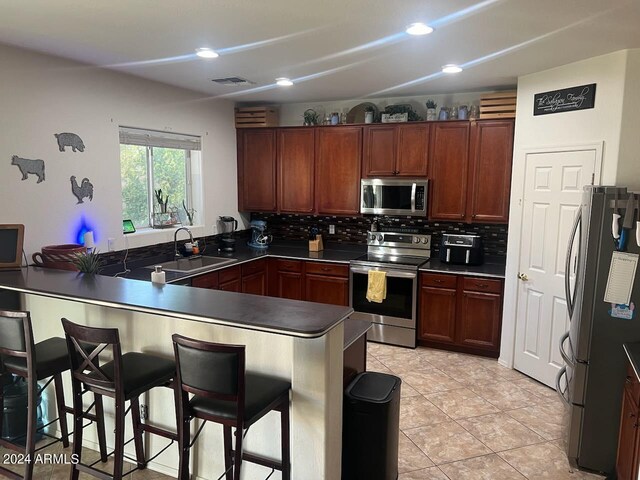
(316, 245)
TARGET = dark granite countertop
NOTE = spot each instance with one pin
(633, 353)
(354, 329)
(494, 267)
(491, 268)
(268, 314)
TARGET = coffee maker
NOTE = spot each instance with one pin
(228, 225)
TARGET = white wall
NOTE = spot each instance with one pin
(629, 162)
(291, 113)
(41, 95)
(603, 123)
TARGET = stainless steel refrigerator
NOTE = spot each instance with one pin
(591, 383)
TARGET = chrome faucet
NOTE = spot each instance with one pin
(175, 240)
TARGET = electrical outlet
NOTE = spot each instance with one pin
(332, 229)
(110, 244)
(144, 411)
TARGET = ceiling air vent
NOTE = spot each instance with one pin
(238, 81)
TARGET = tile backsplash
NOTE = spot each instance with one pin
(352, 230)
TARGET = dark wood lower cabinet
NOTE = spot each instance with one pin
(231, 286)
(289, 285)
(327, 289)
(460, 313)
(438, 319)
(628, 458)
(479, 320)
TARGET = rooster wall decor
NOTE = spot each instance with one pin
(84, 190)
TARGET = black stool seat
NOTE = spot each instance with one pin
(260, 392)
(141, 372)
(51, 358)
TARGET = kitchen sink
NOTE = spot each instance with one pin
(193, 264)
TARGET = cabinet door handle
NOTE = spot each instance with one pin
(482, 285)
(325, 269)
(632, 415)
(438, 281)
(628, 380)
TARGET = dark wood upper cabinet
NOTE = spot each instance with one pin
(490, 171)
(449, 161)
(396, 150)
(296, 174)
(413, 150)
(257, 170)
(380, 151)
(338, 164)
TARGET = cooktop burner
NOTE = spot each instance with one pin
(396, 260)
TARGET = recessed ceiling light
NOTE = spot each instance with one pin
(205, 52)
(419, 28)
(284, 82)
(451, 68)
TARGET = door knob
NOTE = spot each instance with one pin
(523, 277)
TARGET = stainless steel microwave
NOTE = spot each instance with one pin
(394, 196)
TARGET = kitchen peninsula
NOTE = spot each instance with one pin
(298, 341)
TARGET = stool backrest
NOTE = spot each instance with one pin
(210, 370)
(85, 344)
(16, 337)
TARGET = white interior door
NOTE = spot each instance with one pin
(552, 196)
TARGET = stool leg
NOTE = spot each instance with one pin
(102, 439)
(238, 454)
(32, 420)
(62, 414)
(184, 433)
(118, 454)
(284, 439)
(77, 429)
(137, 432)
(228, 446)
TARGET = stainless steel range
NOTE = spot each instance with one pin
(398, 253)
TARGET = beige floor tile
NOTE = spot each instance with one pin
(148, 474)
(461, 403)
(404, 362)
(433, 473)
(430, 381)
(472, 374)
(543, 461)
(505, 395)
(501, 371)
(544, 419)
(377, 349)
(417, 411)
(538, 389)
(487, 467)
(410, 457)
(407, 390)
(500, 432)
(446, 442)
(374, 365)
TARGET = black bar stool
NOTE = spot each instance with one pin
(34, 362)
(224, 393)
(124, 378)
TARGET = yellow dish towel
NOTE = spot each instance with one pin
(377, 286)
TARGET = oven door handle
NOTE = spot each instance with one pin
(390, 273)
(413, 197)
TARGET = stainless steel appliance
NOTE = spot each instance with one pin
(399, 254)
(463, 249)
(394, 196)
(591, 383)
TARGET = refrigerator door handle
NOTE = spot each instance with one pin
(561, 373)
(564, 355)
(569, 297)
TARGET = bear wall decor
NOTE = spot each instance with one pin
(29, 166)
(69, 140)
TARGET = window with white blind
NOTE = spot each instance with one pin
(158, 171)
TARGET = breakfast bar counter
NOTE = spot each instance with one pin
(301, 342)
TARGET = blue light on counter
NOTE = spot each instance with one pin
(83, 226)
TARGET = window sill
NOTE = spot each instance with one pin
(149, 236)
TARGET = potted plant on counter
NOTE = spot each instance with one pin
(431, 110)
(89, 262)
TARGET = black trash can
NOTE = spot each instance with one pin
(16, 397)
(371, 426)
